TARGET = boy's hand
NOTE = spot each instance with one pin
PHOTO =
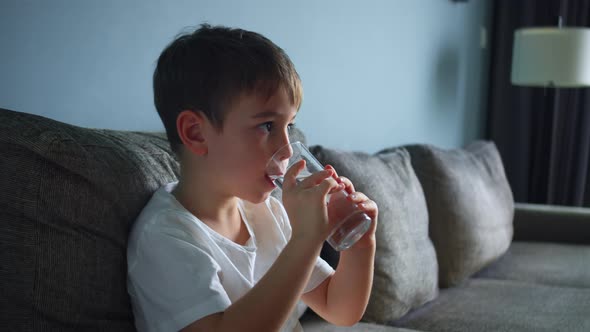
(365, 204)
(305, 202)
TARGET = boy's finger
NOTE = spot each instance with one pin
(330, 167)
(341, 179)
(340, 186)
(370, 208)
(357, 197)
(290, 179)
(315, 178)
(328, 185)
(347, 184)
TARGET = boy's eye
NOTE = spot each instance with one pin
(266, 126)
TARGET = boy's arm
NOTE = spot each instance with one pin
(270, 302)
(342, 298)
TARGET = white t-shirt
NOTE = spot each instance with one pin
(180, 270)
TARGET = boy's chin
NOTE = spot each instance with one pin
(255, 199)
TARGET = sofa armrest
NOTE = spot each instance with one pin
(551, 223)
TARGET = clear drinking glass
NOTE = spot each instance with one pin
(352, 223)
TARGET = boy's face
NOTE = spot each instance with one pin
(254, 129)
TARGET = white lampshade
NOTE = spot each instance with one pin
(553, 56)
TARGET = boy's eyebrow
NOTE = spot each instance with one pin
(268, 114)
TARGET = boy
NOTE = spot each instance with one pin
(214, 252)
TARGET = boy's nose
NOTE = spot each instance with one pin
(285, 152)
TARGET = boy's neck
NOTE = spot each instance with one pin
(219, 212)
(207, 206)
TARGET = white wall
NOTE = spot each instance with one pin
(376, 73)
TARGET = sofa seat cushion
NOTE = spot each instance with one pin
(313, 323)
(544, 263)
(503, 305)
(69, 197)
(405, 274)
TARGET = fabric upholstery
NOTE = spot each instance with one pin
(69, 196)
(551, 223)
(553, 264)
(470, 206)
(313, 323)
(503, 306)
(405, 264)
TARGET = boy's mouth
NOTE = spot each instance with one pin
(270, 180)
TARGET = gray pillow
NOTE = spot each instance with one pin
(405, 274)
(69, 196)
(470, 206)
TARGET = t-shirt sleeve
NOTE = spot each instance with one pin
(322, 269)
(173, 282)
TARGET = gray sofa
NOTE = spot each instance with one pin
(454, 252)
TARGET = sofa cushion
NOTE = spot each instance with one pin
(405, 264)
(69, 196)
(313, 323)
(503, 305)
(543, 263)
(470, 206)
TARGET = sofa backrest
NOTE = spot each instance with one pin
(69, 197)
(68, 200)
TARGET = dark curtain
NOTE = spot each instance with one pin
(543, 134)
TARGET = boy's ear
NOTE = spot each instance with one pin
(190, 126)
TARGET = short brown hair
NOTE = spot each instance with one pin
(206, 69)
